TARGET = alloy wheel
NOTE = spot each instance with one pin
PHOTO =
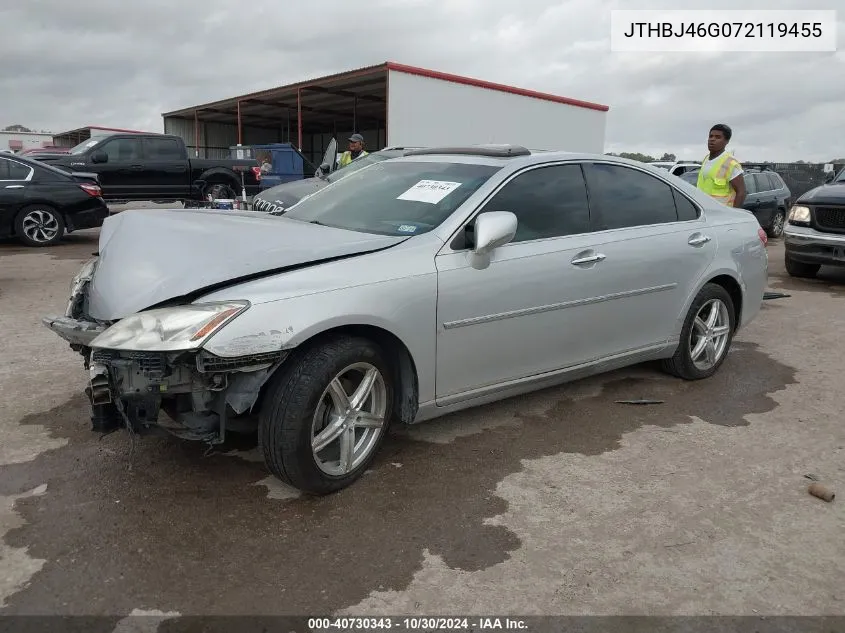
(40, 226)
(709, 335)
(349, 419)
(777, 224)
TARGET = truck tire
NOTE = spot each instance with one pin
(797, 269)
(314, 405)
(220, 191)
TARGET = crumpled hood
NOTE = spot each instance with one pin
(148, 256)
(831, 193)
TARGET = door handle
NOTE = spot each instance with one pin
(14, 187)
(137, 167)
(589, 259)
(698, 240)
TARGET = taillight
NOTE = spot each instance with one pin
(763, 237)
(91, 190)
(257, 173)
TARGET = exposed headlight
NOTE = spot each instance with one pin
(799, 215)
(85, 273)
(169, 329)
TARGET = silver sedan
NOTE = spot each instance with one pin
(416, 287)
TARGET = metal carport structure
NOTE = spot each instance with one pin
(312, 112)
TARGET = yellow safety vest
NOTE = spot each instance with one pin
(715, 183)
(346, 157)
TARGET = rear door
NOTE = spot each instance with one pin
(123, 175)
(165, 168)
(767, 198)
(655, 247)
(15, 177)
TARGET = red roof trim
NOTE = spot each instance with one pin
(113, 129)
(478, 83)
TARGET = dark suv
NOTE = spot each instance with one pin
(768, 197)
(815, 230)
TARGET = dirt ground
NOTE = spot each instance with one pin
(561, 502)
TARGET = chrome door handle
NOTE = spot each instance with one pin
(698, 241)
(598, 257)
(14, 186)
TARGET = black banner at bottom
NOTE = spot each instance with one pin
(421, 624)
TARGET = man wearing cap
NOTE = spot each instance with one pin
(356, 149)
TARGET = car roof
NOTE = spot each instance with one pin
(36, 164)
(513, 155)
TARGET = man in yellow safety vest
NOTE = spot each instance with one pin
(720, 175)
(356, 149)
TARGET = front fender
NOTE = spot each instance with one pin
(404, 307)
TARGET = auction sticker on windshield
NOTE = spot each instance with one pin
(430, 191)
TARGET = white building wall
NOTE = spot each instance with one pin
(28, 140)
(430, 112)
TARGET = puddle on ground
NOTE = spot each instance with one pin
(198, 534)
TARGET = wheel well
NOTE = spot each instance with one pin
(733, 289)
(406, 397)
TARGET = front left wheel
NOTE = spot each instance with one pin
(326, 413)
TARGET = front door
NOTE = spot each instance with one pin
(529, 312)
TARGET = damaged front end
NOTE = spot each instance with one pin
(148, 371)
(201, 395)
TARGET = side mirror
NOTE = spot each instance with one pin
(99, 157)
(829, 177)
(492, 230)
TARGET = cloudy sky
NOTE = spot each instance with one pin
(122, 63)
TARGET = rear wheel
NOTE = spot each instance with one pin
(706, 336)
(39, 225)
(778, 221)
(326, 414)
(799, 269)
(220, 191)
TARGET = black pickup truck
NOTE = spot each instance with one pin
(155, 167)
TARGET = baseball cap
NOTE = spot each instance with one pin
(356, 138)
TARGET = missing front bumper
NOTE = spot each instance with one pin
(74, 331)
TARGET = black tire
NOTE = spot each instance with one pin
(798, 269)
(220, 190)
(775, 230)
(682, 364)
(52, 223)
(290, 404)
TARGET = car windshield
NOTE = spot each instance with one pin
(355, 165)
(84, 146)
(394, 197)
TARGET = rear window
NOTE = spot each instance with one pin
(13, 170)
(394, 197)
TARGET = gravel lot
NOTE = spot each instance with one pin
(561, 502)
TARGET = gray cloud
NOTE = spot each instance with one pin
(107, 62)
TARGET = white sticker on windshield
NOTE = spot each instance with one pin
(430, 191)
(407, 228)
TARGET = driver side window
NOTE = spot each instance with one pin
(547, 201)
